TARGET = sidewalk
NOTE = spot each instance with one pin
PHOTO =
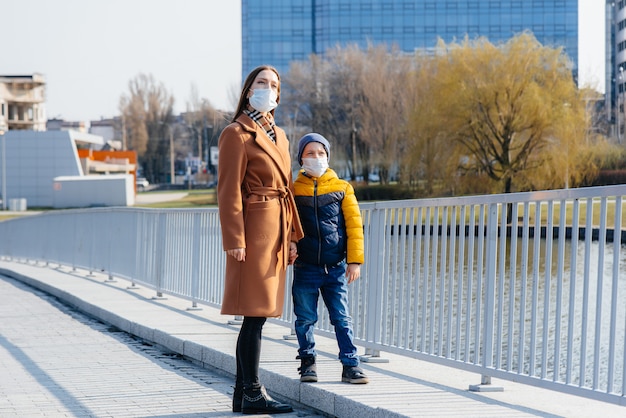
(56, 361)
(155, 197)
(401, 387)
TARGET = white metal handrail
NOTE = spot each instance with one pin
(493, 284)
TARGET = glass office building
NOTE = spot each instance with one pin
(277, 32)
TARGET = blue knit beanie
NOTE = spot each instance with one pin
(312, 137)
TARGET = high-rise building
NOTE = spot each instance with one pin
(277, 32)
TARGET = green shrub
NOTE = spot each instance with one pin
(609, 177)
(386, 192)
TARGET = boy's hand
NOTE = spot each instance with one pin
(353, 272)
(293, 252)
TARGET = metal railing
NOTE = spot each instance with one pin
(529, 287)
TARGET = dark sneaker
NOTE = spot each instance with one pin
(353, 374)
(307, 369)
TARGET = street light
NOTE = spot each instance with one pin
(169, 127)
(3, 129)
(172, 174)
(620, 89)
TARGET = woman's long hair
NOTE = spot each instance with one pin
(243, 99)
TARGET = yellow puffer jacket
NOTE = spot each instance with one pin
(331, 219)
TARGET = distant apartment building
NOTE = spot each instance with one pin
(64, 125)
(22, 102)
(616, 64)
(278, 32)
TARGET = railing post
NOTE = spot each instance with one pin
(375, 258)
(489, 305)
(195, 262)
(160, 258)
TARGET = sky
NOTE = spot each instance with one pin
(89, 50)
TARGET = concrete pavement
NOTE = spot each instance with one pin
(402, 387)
(155, 197)
(56, 361)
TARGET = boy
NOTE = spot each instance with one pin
(329, 256)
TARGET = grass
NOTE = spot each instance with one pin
(543, 213)
(6, 217)
(193, 199)
(208, 198)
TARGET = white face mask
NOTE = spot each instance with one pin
(315, 167)
(263, 100)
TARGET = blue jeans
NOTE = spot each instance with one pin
(309, 282)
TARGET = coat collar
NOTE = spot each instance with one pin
(274, 150)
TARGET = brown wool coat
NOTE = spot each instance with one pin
(257, 212)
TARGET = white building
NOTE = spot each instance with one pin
(22, 102)
(44, 169)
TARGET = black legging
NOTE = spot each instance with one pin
(249, 352)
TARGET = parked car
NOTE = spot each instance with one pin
(142, 183)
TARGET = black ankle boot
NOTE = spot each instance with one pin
(257, 401)
(307, 369)
(237, 398)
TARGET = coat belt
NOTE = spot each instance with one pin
(288, 211)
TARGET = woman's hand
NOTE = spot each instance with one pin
(293, 252)
(238, 253)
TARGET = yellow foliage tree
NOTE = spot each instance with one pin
(514, 109)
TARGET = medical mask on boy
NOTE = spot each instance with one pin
(263, 100)
(315, 167)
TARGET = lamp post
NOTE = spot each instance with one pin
(171, 140)
(620, 103)
(3, 129)
(172, 174)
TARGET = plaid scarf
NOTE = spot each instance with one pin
(265, 122)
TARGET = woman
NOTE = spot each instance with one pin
(260, 226)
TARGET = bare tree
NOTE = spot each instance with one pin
(325, 95)
(147, 112)
(383, 112)
(203, 123)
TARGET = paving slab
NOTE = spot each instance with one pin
(402, 387)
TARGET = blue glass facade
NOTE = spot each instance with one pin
(277, 32)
